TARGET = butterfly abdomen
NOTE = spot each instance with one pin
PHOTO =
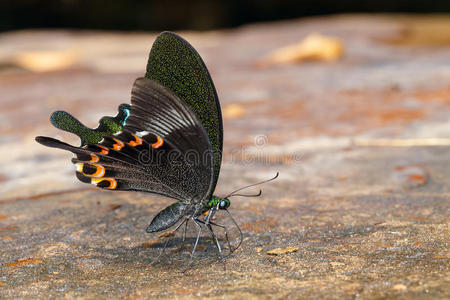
(167, 217)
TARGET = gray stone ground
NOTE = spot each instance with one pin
(362, 146)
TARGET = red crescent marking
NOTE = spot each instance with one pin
(104, 151)
(158, 143)
(98, 173)
(118, 145)
(94, 158)
(137, 142)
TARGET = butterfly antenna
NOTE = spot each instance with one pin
(242, 195)
(232, 193)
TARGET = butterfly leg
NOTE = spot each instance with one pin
(195, 245)
(241, 235)
(198, 238)
(169, 239)
(184, 233)
(213, 235)
(226, 236)
(207, 224)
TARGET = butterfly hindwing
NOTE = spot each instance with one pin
(157, 149)
(107, 125)
(176, 65)
(110, 169)
(156, 109)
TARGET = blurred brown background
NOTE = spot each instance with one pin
(353, 110)
(162, 15)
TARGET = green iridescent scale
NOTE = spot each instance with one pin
(214, 201)
(107, 125)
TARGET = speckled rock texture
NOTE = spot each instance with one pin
(362, 144)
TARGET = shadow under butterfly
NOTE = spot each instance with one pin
(168, 141)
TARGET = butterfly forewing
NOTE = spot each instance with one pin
(175, 64)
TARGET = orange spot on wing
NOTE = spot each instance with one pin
(79, 167)
(104, 151)
(99, 172)
(112, 182)
(97, 180)
(118, 145)
(94, 158)
(159, 142)
(136, 142)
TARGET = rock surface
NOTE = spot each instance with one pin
(362, 146)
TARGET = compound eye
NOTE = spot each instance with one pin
(223, 204)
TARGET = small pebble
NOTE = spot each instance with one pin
(399, 287)
(279, 251)
(166, 234)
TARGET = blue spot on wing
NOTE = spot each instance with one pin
(127, 114)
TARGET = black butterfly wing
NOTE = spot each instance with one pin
(162, 148)
(190, 162)
(175, 64)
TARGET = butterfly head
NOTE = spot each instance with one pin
(224, 203)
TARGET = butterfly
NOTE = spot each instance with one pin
(168, 141)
